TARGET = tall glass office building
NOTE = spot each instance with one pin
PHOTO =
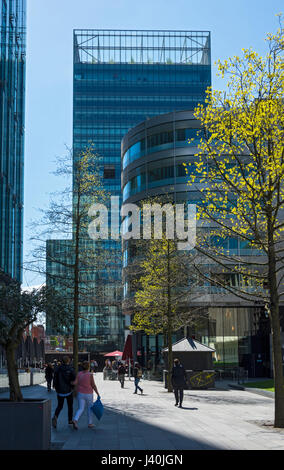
(12, 104)
(153, 156)
(120, 79)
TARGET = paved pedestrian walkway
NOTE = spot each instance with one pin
(211, 419)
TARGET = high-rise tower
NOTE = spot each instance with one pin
(12, 113)
(120, 79)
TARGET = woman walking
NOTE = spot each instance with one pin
(85, 386)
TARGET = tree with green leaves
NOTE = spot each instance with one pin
(165, 290)
(18, 310)
(73, 263)
(239, 171)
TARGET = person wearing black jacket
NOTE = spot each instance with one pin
(121, 373)
(137, 372)
(63, 379)
(49, 375)
(178, 381)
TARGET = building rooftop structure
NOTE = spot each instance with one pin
(142, 47)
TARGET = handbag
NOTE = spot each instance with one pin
(98, 408)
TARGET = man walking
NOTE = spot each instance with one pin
(63, 379)
(137, 377)
(178, 381)
(121, 373)
(49, 375)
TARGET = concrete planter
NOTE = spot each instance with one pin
(25, 425)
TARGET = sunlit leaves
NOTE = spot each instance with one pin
(239, 167)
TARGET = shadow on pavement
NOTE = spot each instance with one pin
(185, 408)
(124, 429)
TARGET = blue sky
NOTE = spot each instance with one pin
(233, 25)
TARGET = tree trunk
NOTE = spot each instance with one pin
(156, 352)
(278, 368)
(147, 351)
(277, 358)
(165, 340)
(276, 335)
(170, 359)
(76, 286)
(170, 329)
(15, 389)
(76, 322)
(75, 343)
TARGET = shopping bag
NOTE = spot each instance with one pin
(98, 408)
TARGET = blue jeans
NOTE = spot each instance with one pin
(136, 382)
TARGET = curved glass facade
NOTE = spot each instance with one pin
(147, 172)
(159, 176)
(143, 166)
(154, 153)
(160, 141)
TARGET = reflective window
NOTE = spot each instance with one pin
(161, 141)
(230, 331)
(184, 135)
(134, 186)
(109, 172)
(135, 151)
(180, 169)
(158, 176)
(161, 173)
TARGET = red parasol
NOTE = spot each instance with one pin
(114, 353)
(127, 350)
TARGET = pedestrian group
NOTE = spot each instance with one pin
(66, 384)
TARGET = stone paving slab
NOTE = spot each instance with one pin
(221, 418)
